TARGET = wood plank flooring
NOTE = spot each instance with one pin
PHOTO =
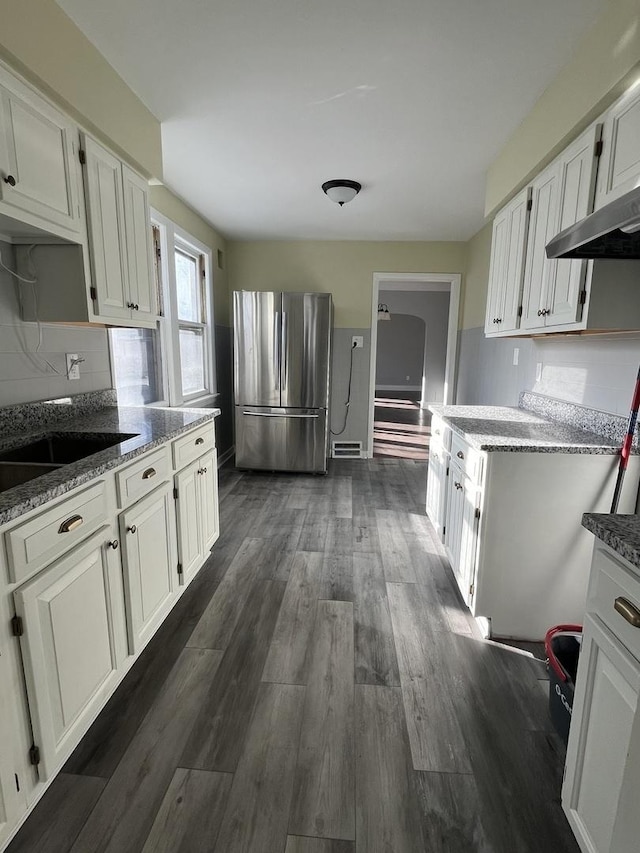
(320, 688)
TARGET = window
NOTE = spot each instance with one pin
(192, 325)
(173, 364)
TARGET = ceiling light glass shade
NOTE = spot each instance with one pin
(383, 312)
(341, 191)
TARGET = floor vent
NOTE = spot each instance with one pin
(346, 449)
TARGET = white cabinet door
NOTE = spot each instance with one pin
(39, 172)
(436, 504)
(69, 645)
(105, 212)
(189, 523)
(619, 170)
(197, 513)
(208, 501)
(147, 531)
(578, 167)
(543, 226)
(138, 245)
(455, 509)
(603, 753)
(507, 265)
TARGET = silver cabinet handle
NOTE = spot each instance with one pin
(276, 415)
(149, 473)
(71, 524)
(628, 611)
(460, 454)
(113, 544)
(200, 440)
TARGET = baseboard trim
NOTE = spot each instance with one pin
(412, 388)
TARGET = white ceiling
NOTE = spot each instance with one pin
(261, 102)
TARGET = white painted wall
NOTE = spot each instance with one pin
(24, 374)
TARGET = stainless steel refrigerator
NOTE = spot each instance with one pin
(282, 345)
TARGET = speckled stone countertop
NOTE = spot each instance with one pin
(620, 532)
(150, 426)
(505, 429)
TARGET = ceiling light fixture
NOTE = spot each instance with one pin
(341, 191)
(383, 312)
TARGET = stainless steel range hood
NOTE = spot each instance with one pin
(611, 232)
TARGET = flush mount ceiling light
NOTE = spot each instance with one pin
(383, 312)
(341, 191)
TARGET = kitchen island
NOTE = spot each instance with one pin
(506, 491)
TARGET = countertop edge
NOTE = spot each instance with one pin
(81, 472)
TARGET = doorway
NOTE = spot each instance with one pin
(413, 348)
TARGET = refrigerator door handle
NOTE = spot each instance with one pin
(277, 415)
(276, 349)
(283, 351)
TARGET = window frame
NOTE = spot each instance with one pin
(172, 237)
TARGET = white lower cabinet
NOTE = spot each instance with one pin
(71, 644)
(197, 513)
(512, 532)
(87, 580)
(150, 563)
(461, 536)
(602, 775)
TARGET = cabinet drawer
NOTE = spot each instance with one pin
(142, 476)
(468, 458)
(611, 582)
(48, 535)
(192, 445)
(440, 432)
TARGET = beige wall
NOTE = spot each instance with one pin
(606, 62)
(343, 268)
(476, 280)
(177, 211)
(42, 43)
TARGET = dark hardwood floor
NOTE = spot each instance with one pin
(401, 429)
(320, 688)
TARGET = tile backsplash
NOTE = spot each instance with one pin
(30, 370)
(596, 371)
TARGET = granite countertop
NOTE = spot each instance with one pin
(150, 426)
(506, 429)
(620, 532)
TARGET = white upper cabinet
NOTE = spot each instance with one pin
(562, 195)
(138, 245)
(507, 265)
(620, 163)
(105, 213)
(38, 169)
(120, 239)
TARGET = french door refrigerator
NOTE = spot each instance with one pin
(282, 344)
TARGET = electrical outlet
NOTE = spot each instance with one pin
(73, 365)
(516, 356)
(357, 341)
(407, 378)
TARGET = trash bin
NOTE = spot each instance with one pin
(562, 646)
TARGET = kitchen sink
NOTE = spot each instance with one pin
(16, 473)
(62, 448)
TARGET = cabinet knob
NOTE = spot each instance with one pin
(460, 454)
(136, 307)
(129, 304)
(132, 529)
(114, 544)
(10, 180)
(539, 313)
(204, 470)
(458, 485)
(200, 440)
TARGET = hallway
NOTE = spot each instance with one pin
(319, 688)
